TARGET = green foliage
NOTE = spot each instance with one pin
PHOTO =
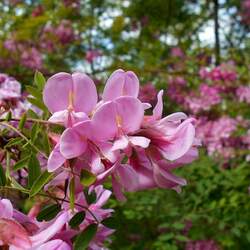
(48, 212)
(83, 239)
(215, 200)
(43, 179)
(87, 178)
(77, 219)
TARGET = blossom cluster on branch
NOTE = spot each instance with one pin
(95, 143)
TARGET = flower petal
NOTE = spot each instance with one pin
(121, 83)
(50, 231)
(84, 93)
(157, 111)
(56, 92)
(180, 142)
(6, 209)
(127, 177)
(56, 159)
(129, 113)
(139, 141)
(53, 245)
(121, 143)
(72, 144)
(104, 122)
(12, 233)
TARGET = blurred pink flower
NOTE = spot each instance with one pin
(177, 52)
(202, 245)
(206, 98)
(147, 93)
(243, 93)
(32, 58)
(91, 55)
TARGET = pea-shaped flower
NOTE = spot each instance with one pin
(70, 98)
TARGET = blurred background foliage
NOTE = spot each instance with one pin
(167, 43)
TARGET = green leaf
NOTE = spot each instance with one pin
(38, 103)
(44, 178)
(39, 80)
(34, 170)
(45, 143)
(49, 212)
(180, 237)
(77, 219)
(32, 114)
(22, 121)
(2, 176)
(8, 116)
(178, 226)
(22, 163)
(34, 131)
(83, 239)
(35, 92)
(14, 141)
(87, 178)
(72, 193)
(89, 197)
(109, 222)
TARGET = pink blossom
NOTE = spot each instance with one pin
(147, 93)
(32, 58)
(72, 106)
(10, 44)
(91, 55)
(177, 52)
(214, 133)
(9, 87)
(15, 234)
(116, 128)
(243, 93)
(202, 245)
(64, 32)
(208, 97)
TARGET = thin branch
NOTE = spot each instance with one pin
(32, 120)
(216, 32)
(24, 137)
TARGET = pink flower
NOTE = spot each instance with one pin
(91, 55)
(9, 87)
(64, 32)
(147, 93)
(13, 231)
(65, 96)
(202, 245)
(243, 93)
(32, 58)
(177, 52)
(208, 97)
(121, 83)
(117, 129)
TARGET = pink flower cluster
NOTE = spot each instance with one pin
(215, 135)
(29, 56)
(202, 245)
(25, 232)
(147, 93)
(12, 99)
(209, 102)
(243, 93)
(224, 72)
(92, 54)
(63, 34)
(32, 58)
(108, 139)
(245, 11)
(208, 97)
(113, 136)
